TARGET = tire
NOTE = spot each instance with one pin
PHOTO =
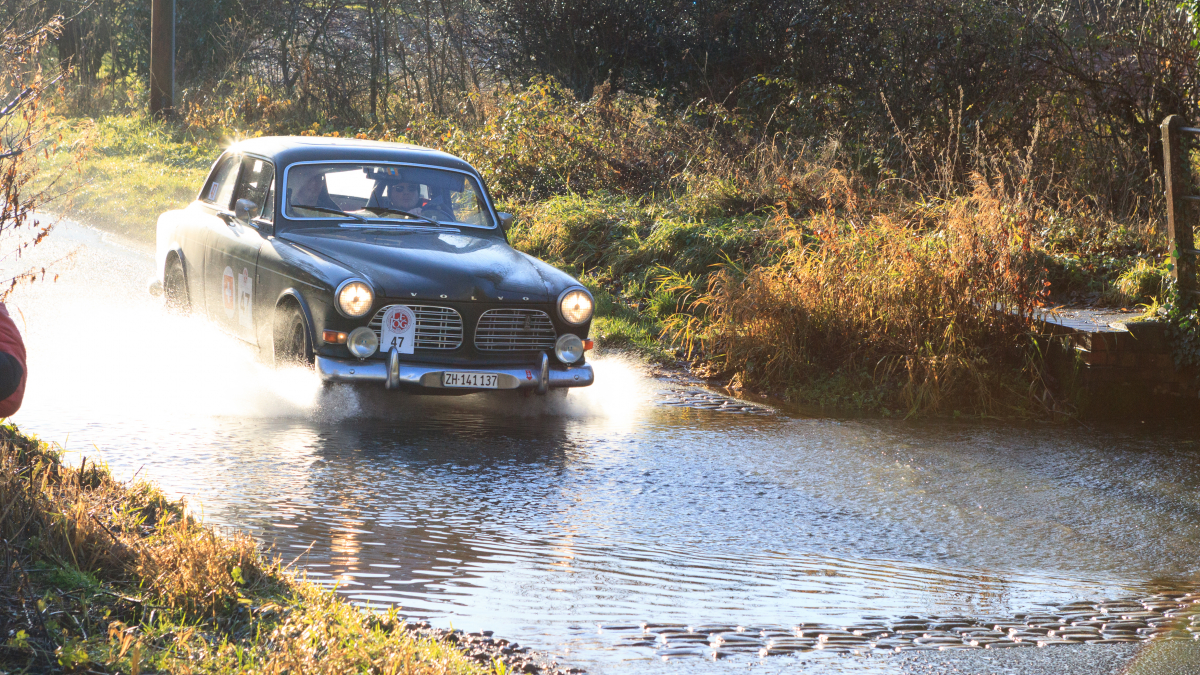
(292, 343)
(175, 294)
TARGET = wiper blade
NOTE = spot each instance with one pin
(384, 209)
(327, 210)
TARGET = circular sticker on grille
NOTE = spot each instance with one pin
(399, 330)
(399, 321)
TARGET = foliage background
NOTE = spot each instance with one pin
(689, 159)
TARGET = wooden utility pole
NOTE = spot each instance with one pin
(1181, 206)
(162, 57)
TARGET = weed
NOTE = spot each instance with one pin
(1143, 283)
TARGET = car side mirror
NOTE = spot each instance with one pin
(243, 209)
(506, 220)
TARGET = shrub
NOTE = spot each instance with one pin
(935, 315)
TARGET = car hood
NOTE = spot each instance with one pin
(430, 265)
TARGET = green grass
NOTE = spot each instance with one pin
(643, 259)
(121, 173)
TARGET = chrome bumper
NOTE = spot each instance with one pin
(392, 373)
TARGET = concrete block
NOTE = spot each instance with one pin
(1148, 336)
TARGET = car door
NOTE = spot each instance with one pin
(231, 259)
(214, 201)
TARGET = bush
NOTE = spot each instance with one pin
(914, 309)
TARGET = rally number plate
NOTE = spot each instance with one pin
(474, 380)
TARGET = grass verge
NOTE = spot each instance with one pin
(100, 576)
(129, 171)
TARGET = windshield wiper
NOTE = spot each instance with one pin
(384, 209)
(325, 210)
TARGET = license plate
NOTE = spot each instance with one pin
(474, 380)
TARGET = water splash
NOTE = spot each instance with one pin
(101, 346)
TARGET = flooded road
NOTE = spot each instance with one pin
(542, 521)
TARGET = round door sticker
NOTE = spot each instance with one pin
(245, 298)
(399, 330)
(228, 292)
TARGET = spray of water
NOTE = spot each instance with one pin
(102, 349)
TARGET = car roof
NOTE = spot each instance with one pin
(284, 150)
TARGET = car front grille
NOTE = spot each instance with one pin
(514, 330)
(437, 327)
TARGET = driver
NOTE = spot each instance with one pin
(407, 197)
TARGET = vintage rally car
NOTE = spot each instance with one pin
(374, 262)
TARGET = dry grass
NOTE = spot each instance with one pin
(107, 577)
(911, 303)
(83, 518)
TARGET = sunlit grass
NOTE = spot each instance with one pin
(132, 171)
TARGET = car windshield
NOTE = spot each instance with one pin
(391, 193)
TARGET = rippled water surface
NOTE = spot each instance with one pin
(540, 520)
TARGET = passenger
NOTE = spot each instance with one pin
(12, 365)
(306, 187)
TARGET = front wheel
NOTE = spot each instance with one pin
(175, 293)
(293, 345)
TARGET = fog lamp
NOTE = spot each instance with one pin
(362, 342)
(568, 348)
(575, 306)
(355, 298)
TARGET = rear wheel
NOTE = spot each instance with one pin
(293, 344)
(175, 292)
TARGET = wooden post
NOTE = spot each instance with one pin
(162, 57)
(1181, 212)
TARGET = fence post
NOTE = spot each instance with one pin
(1180, 212)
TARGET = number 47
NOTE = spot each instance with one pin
(398, 342)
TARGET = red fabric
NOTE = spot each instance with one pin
(11, 343)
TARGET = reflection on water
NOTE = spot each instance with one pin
(539, 519)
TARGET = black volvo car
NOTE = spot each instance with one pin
(373, 262)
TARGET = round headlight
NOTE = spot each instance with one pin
(355, 298)
(576, 306)
(568, 348)
(362, 342)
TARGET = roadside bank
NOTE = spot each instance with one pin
(784, 271)
(102, 576)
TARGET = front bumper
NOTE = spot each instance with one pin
(540, 376)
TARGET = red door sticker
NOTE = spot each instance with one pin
(228, 292)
